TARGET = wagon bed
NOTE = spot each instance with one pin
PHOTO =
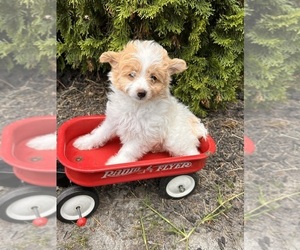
(87, 167)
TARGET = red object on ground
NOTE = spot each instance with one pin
(81, 222)
(87, 167)
(39, 222)
(249, 146)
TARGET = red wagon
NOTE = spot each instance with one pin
(87, 169)
(36, 170)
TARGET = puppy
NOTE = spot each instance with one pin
(140, 108)
(43, 142)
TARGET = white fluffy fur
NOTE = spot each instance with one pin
(154, 122)
(43, 142)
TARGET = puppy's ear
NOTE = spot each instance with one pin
(176, 66)
(109, 57)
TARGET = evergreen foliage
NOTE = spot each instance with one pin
(208, 34)
(272, 49)
(28, 33)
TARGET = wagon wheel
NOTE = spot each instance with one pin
(28, 203)
(75, 203)
(176, 187)
(61, 177)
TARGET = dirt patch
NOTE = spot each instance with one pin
(132, 215)
(23, 94)
(272, 177)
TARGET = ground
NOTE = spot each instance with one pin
(132, 215)
(272, 176)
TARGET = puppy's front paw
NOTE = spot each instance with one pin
(43, 142)
(117, 160)
(85, 142)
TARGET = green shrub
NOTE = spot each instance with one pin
(28, 34)
(272, 57)
(207, 34)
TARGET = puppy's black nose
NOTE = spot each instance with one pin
(141, 94)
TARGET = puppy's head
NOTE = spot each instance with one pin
(142, 69)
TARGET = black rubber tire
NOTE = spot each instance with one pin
(61, 178)
(188, 183)
(73, 192)
(18, 194)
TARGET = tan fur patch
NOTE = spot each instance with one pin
(126, 65)
(122, 74)
(158, 79)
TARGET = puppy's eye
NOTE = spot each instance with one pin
(153, 78)
(132, 74)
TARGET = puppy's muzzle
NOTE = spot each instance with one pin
(141, 94)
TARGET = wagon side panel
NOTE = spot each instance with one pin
(114, 176)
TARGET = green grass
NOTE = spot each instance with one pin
(223, 205)
(144, 233)
(77, 239)
(266, 205)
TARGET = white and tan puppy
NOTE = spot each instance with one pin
(140, 108)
